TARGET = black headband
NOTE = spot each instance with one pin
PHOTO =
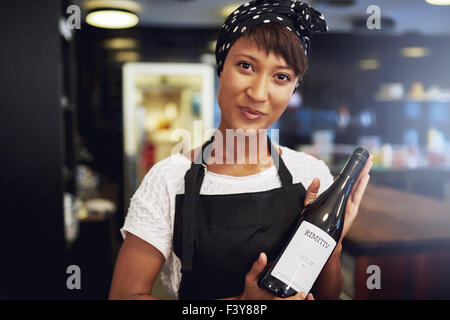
(296, 16)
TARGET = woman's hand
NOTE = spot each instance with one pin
(354, 199)
(253, 292)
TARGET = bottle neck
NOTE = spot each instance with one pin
(353, 167)
(344, 183)
(349, 174)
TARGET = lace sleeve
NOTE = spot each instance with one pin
(149, 212)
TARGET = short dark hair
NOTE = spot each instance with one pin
(278, 39)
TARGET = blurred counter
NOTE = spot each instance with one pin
(408, 237)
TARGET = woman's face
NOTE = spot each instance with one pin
(255, 88)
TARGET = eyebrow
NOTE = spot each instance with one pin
(256, 60)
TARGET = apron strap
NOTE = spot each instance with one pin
(283, 172)
(189, 219)
(192, 184)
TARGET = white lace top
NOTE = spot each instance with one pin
(152, 207)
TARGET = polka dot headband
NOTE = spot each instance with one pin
(296, 16)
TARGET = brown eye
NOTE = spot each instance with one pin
(284, 77)
(245, 65)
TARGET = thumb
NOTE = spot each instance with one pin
(252, 277)
(312, 191)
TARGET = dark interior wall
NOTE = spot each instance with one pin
(31, 214)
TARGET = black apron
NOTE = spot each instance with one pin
(218, 237)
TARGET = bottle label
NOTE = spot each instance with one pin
(306, 254)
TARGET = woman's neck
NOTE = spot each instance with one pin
(239, 153)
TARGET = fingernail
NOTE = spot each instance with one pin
(260, 259)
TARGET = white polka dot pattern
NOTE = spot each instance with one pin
(296, 16)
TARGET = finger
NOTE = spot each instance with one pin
(367, 166)
(357, 197)
(365, 171)
(310, 297)
(312, 191)
(298, 296)
(258, 266)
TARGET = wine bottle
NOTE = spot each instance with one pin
(315, 236)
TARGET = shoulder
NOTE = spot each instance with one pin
(150, 212)
(150, 215)
(166, 173)
(305, 167)
(300, 157)
(176, 161)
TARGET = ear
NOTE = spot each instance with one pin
(296, 86)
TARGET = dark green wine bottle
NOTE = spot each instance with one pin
(318, 230)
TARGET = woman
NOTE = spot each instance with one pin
(211, 225)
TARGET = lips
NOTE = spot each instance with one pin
(251, 114)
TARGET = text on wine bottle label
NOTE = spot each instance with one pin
(304, 257)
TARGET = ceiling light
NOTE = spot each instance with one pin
(415, 52)
(212, 45)
(439, 2)
(112, 18)
(112, 14)
(127, 56)
(368, 64)
(226, 11)
(120, 43)
(121, 4)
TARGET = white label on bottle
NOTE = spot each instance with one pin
(304, 257)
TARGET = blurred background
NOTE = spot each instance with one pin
(92, 93)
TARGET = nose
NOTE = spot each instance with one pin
(258, 89)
